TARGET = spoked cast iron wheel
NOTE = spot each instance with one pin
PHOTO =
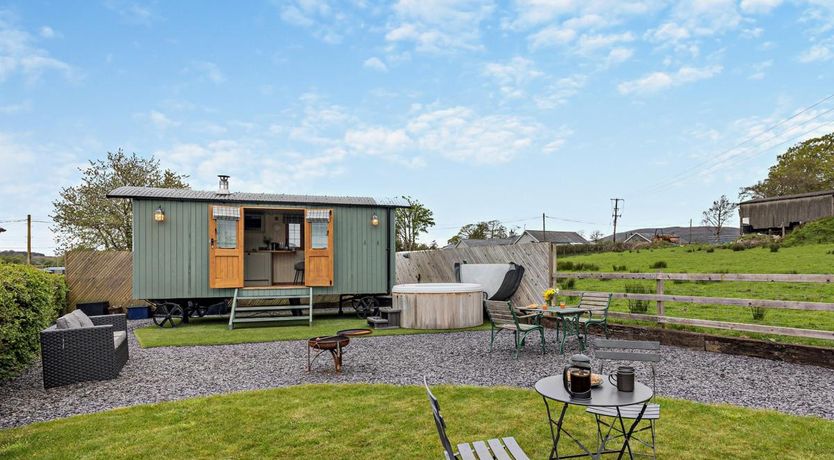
(366, 306)
(168, 314)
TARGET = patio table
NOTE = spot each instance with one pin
(605, 395)
(568, 321)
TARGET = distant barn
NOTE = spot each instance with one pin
(781, 214)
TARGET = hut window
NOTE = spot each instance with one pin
(294, 235)
(226, 219)
(319, 235)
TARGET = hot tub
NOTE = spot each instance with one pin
(439, 305)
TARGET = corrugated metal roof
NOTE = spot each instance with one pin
(242, 197)
(788, 197)
(557, 237)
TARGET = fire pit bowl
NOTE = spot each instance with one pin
(329, 342)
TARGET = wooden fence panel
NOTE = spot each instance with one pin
(437, 266)
(97, 276)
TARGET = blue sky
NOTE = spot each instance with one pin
(481, 110)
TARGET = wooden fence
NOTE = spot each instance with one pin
(437, 266)
(96, 276)
(660, 298)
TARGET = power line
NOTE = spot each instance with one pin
(573, 221)
(718, 159)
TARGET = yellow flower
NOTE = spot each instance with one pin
(549, 294)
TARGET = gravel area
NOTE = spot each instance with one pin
(165, 374)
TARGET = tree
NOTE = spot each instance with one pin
(718, 215)
(805, 167)
(411, 223)
(483, 230)
(595, 236)
(85, 218)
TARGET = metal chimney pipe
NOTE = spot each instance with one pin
(224, 185)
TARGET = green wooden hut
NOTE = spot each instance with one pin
(199, 246)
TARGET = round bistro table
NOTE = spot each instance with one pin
(605, 395)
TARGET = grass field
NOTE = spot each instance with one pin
(393, 422)
(208, 331)
(818, 258)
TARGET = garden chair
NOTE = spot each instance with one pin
(606, 417)
(596, 304)
(503, 317)
(505, 449)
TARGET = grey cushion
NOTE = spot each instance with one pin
(68, 321)
(83, 318)
(118, 338)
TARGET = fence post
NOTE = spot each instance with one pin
(551, 265)
(661, 309)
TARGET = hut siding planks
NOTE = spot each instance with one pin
(171, 258)
(95, 276)
(437, 266)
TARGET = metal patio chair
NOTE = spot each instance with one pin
(606, 417)
(505, 449)
(596, 304)
(503, 317)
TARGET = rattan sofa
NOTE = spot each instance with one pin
(79, 348)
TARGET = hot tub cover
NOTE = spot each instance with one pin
(499, 281)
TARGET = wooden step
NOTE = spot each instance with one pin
(266, 319)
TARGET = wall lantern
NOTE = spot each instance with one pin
(375, 220)
(159, 215)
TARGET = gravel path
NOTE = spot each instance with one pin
(165, 374)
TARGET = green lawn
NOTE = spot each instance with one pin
(215, 332)
(392, 422)
(800, 259)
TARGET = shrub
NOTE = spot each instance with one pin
(30, 300)
(569, 284)
(637, 306)
(758, 313)
(736, 247)
(710, 250)
(620, 268)
(774, 247)
(567, 265)
(659, 264)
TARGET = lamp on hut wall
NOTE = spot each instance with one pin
(375, 220)
(159, 215)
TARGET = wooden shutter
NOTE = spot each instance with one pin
(318, 261)
(225, 263)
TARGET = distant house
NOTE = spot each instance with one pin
(636, 238)
(781, 214)
(550, 236)
(678, 235)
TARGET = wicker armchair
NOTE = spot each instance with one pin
(78, 354)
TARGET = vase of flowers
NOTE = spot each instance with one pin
(550, 295)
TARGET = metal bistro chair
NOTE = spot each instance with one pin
(489, 450)
(595, 303)
(607, 417)
(503, 317)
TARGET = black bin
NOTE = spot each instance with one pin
(94, 308)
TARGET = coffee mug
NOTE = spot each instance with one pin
(623, 379)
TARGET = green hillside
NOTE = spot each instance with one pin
(812, 258)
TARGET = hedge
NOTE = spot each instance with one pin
(30, 300)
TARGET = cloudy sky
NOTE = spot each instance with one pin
(480, 109)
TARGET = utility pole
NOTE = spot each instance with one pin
(690, 232)
(28, 239)
(543, 227)
(616, 215)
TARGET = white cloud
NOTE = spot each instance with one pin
(817, 53)
(19, 53)
(759, 70)
(132, 12)
(160, 120)
(208, 70)
(618, 56)
(326, 23)
(439, 26)
(589, 44)
(558, 92)
(16, 108)
(551, 36)
(47, 32)
(512, 75)
(759, 6)
(458, 134)
(375, 63)
(659, 81)
(667, 32)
